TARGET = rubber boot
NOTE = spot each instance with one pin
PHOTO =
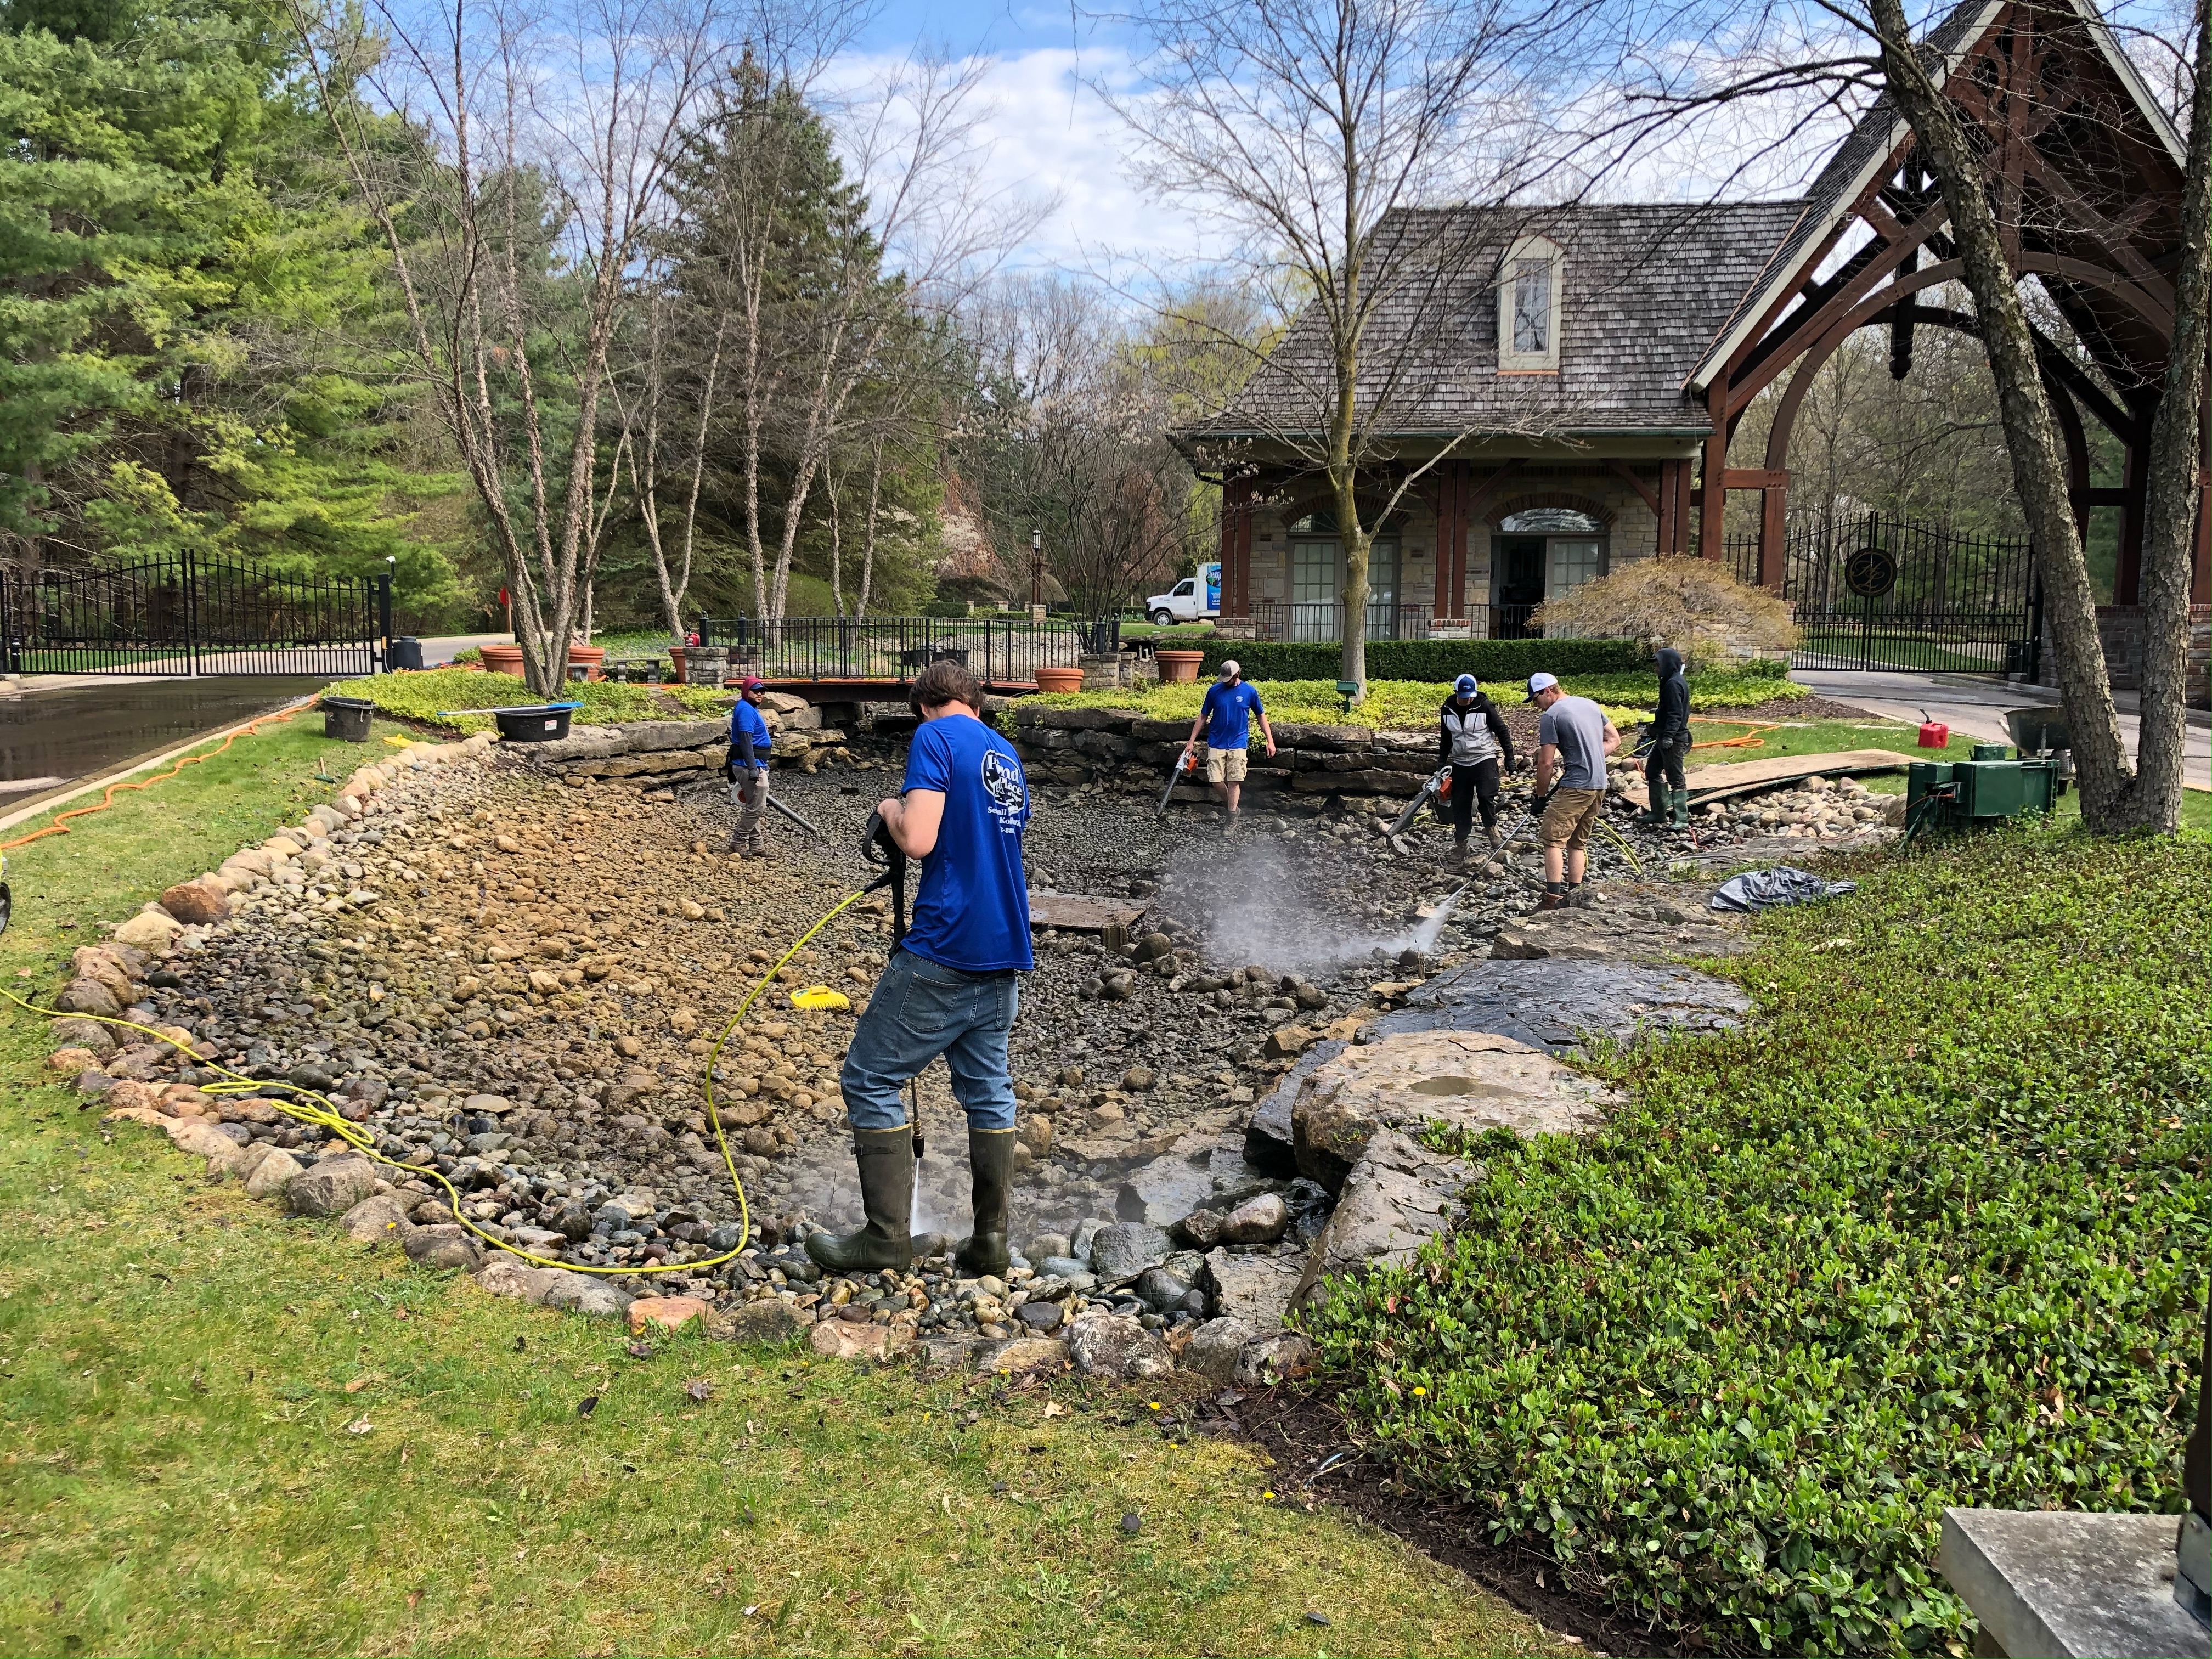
(1654, 816)
(1681, 820)
(886, 1160)
(991, 1163)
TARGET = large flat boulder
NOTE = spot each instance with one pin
(1255, 1290)
(1470, 1080)
(1399, 1196)
(1556, 1006)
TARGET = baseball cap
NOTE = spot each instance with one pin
(1466, 685)
(752, 683)
(1230, 669)
(1540, 683)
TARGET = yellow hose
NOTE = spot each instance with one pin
(325, 1115)
(1634, 862)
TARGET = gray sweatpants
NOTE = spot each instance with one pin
(748, 794)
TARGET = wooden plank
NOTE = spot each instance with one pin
(1730, 779)
(1078, 913)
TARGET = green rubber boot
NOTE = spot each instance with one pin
(991, 1159)
(1681, 808)
(886, 1160)
(1655, 815)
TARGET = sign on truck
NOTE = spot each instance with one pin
(1195, 599)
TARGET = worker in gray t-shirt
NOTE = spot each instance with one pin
(1573, 737)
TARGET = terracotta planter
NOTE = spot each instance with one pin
(1178, 667)
(1059, 679)
(503, 660)
(675, 666)
(591, 657)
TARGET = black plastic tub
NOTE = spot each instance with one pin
(347, 718)
(544, 722)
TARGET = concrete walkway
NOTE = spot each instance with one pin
(1977, 707)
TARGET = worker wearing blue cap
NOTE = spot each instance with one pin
(1472, 739)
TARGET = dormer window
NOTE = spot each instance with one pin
(1529, 308)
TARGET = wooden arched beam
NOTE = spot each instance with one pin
(1882, 299)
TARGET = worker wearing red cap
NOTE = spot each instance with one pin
(749, 739)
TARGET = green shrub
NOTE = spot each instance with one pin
(1930, 1230)
(1427, 659)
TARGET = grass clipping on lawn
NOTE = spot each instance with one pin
(1930, 1232)
(421, 696)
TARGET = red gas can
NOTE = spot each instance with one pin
(1933, 734)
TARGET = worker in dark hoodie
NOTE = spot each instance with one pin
(1668, 796)
(1472, 739)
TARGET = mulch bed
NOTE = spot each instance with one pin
(1301, 1428)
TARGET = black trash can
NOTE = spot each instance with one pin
(347, 718)
(544, 722)
(406, 653)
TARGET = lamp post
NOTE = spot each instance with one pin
(1036, 575)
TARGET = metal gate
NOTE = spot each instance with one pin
(193, 615)
(1882, 592)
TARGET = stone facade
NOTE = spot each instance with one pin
(2120, 628)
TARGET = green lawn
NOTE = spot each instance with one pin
(230, 1432)
(1930, 1230)
(426, 697)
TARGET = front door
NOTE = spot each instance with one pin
(1519, 563)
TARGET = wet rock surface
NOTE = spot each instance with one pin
(517, 976)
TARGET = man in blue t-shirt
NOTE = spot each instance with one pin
(747, 767)
(949, 987)
(1225, 717)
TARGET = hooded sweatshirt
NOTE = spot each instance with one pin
(1466, 737)
(1670, 721)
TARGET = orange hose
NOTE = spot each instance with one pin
(1750, 739)
(60, 825)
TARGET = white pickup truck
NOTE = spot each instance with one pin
(1195, 599)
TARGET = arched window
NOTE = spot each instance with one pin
(1550, 522)
(1529, 293)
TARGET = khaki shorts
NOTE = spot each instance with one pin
(1224, 766)
(1570, 817)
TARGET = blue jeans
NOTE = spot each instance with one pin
(919, 1010)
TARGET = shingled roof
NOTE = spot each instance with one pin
(1646, 288)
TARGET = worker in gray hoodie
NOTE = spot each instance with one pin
(1668, 795)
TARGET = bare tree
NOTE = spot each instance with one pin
(544, 140)
(1317, 132)
(655, 399)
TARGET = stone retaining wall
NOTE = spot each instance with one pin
(683, 751)
(1091, 745)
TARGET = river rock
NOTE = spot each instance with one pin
(85, 995)
(584, 1293)
(1043, 1317)
(1215, 1348)
(1271, 1360)
(771, 1319)
(378, 1220)
(85, 1034)
(196, 903)
(505, 1276)
(446, 1244)
(1260, 1220)
(1022, 1355)
(1160, 1290)
(275, 1172)
(668, 1313)
(843, 1338)
(333, 1186)
(1114, 1344)
(1399, 1195)
(1254, 1289)
(149, 930)
(1127, 1249)
(1200, 1229)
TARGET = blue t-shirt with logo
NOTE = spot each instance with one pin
(1228, 712)
(972, 908)
(746, 717)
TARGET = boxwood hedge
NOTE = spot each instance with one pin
(1428, 659)
(1930, 1231)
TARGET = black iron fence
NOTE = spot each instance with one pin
(1883, 592)
(997, 650)
(192, 615)
(1276, 619)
